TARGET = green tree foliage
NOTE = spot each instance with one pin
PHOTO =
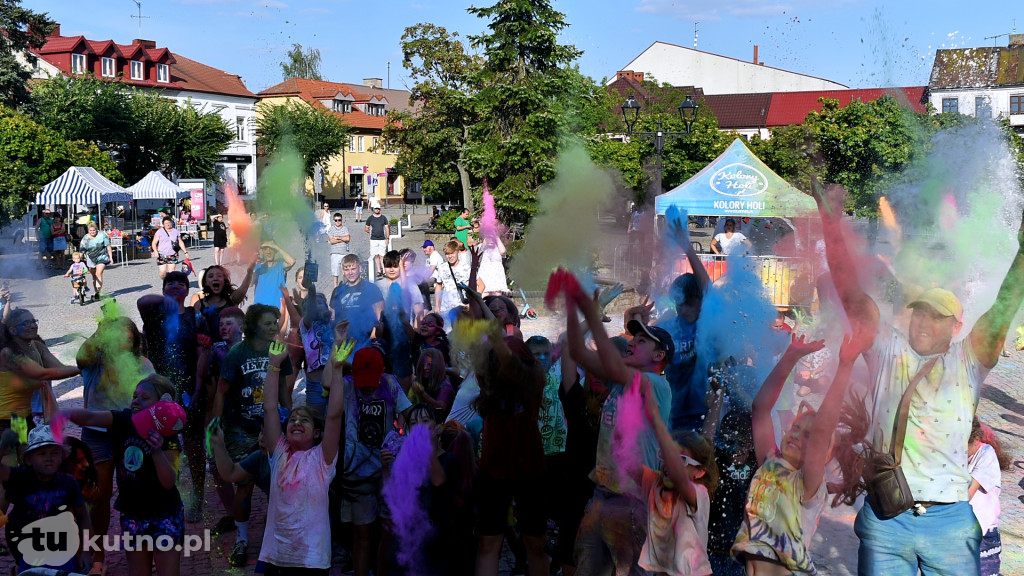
(521, 99)
(142, 129)
(33, 155)
(433, 140)
(22, 29)
(302, 63)
(316, 133)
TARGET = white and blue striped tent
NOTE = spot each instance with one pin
(82, 185)
(156, 186)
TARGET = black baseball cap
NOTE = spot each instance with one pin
(659, 335)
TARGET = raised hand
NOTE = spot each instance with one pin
(203, 341)
(609, 294)
(475, 254)
(856, 343)
(341, 331)
(277, 353)
(678, 227)
(561, 281)
(641, 311)
(800, 346)
(342, 351)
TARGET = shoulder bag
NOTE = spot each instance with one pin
(888, 491)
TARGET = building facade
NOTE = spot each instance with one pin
(188, 82)
(364, 166)
(985, 82)
(681, 66)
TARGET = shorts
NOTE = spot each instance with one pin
(100, 443)
(60, 243)
(359, 210)
(91, 264)
(378, 247)
(494, 497)
(161, 259)
(240, 443)
(360, 501)
(336, 264)
(172, 525)
(47, 244)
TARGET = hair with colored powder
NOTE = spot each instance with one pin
(232, 312)
(981, 432)
(160, 385)
(438, 375)
(701, 449)
(318, 421)
(251, 322)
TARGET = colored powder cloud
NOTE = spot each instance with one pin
(401, 491)
(630, 422)
(244, 237)
(283, 196)
(565, 230)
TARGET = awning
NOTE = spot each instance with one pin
(156, 186)
(82, 185)
(737, 183)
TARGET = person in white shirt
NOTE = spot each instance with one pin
(727, 242)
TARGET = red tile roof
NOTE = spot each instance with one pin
(312, 91)
(735, 111)
(192, 75)
(792, 107)
(185, 73)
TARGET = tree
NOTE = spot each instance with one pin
(22, 29)
(301, 63)
(314, 132)
(521, 101)
(143, 130)
(432, 142)
(33, 155)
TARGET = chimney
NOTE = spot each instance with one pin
(1016, 39)
(150, 44)
(755, 53)
(56, 30)
(373, 82)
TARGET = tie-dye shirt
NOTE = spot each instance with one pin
(779, 526)
(941, 411)
(677, 536)
(552, 420)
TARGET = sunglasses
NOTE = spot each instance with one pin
(337, 219)
(29, 322)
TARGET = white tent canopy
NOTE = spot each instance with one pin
(82, 185)
(156, 186)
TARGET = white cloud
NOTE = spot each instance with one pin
(712, 10)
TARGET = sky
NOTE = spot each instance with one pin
(859, 43)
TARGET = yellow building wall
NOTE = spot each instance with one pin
(338, 177)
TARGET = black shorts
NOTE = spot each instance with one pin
(494, 497)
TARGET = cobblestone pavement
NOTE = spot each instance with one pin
(64, 327)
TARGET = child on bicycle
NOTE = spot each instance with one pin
(77, 272)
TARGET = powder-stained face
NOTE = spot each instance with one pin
(931, 332)
(643, 351)
(794, 442)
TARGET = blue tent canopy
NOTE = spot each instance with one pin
(737, 183)
(82, 185)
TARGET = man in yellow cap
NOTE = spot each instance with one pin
(939, 534)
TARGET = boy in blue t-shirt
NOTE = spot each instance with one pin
(270, 274)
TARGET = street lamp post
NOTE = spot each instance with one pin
(631, 114)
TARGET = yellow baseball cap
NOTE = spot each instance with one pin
(943, 301)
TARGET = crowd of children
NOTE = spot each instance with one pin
(416, 453)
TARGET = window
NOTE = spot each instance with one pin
(376, 141)
(240, 128)
(982, 107)
(163, 73)
(242, 184)
(343, 106)
(1017, 104)
(108, 67)
(138, 70)
(375, 109)
(351, 144)
(78, 63)
(950, 105)
(362, 147)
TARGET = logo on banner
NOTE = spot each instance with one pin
(739, 180)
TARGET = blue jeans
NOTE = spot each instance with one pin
(944, 541)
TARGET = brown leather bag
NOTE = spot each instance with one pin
(888, 491)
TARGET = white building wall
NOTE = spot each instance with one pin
(680, 66)
(998, 101)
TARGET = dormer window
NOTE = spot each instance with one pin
(343, 106)
(108, 67)
(163, 73)
(78, 63)
(375, 109)
(138, 70)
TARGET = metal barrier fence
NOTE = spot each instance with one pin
(787, 281)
